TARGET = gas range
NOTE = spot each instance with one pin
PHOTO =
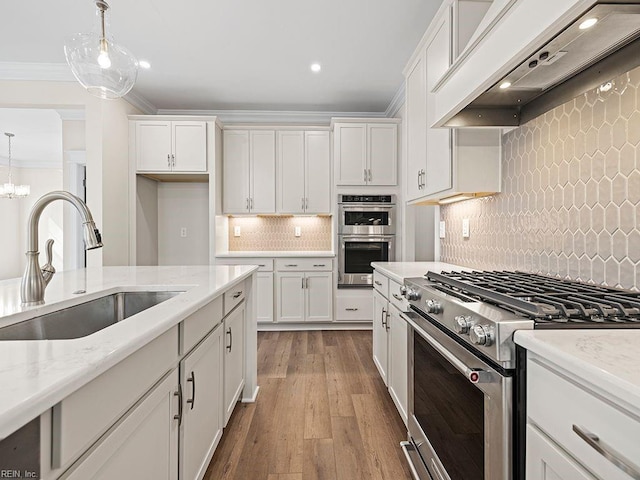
(483, 309)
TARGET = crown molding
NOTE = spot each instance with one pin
(397, 102)
(71, 114)
(39, 164)
(273, 116)
(141, 103)
(52, 72)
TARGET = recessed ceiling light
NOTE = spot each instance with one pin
(505, 85)
(144, 64)
(316, 67)
(588, 23)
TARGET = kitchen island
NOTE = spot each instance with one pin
(38, 377)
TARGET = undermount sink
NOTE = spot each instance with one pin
(86, 318)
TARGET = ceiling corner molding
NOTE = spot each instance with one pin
(71, 114)
(396, 102)
(51, 72)
(141, 103)
(230, 117)
(76, 156)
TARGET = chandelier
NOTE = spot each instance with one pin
(9, 189)
(104, 68)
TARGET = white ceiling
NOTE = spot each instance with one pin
(240, 54)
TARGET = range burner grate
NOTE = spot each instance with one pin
(547, 300)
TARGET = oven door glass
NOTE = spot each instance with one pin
(359, 255)
(357, 218)
(450, 411)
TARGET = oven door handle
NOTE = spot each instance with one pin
(474, 375)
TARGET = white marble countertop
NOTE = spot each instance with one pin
(276, 254)
(35, 375)
(605, 361)
(398, 271)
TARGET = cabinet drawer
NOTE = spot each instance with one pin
(556, 404)
(264, 264)
(200, 323)
(395, 297)
(354, 309)
(83, 416)
(233, 297)
(304, 264)
(381, 283)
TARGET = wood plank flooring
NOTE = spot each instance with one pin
(322, 413)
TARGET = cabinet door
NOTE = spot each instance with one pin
(264, 302)
(233, 359)
(153, 146)
(350, 150)
(201, 380)
(190, 146)
(291, 188)
(398, 361)
(290, 296)
(263, 171)
(383, 153)
(416, 125)
(143, 445)
(319, 296)
(439, 159)
(318, 172)
(380, 349)
(235, 171)
(546, 461)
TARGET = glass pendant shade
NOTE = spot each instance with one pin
(9, 189)
(104, 68)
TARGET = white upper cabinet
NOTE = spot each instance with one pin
(366, 153)
(249, 170)
(416, 125)
(171, 146)
(304, 165)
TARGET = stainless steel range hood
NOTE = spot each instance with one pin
(574, 61)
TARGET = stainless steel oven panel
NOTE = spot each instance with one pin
(388, 229)
(360, 279)
(498, 408)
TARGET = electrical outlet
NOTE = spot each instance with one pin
(183, 232)
(236, 231)
(442, 229)
(297, 231)
(465, 228)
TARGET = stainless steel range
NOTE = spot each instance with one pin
(466, 376)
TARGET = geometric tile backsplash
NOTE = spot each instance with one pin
(570, 201)
(277, 233)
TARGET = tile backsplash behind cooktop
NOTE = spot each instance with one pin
(278, 233)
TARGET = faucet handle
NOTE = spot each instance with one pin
(48, 269)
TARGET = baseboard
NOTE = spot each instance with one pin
(253, 397)
(284, 327)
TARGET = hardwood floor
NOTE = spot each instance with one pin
(322, 413)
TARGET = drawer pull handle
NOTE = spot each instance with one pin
(378, 283)
(237, 294)
(192, 379)
(607, 452)
(319, 265)
(261, 265)
(351, 309)
(397, 297)
(179, 395)
(230, 333)
(291, 265)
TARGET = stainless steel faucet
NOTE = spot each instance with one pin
(36, 279)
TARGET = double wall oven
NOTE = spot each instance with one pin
(467, 378)
(366, 233)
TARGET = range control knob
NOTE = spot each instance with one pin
(462, 323)
(433, 306)
(412, 294)
(403, 290)
(481, 335)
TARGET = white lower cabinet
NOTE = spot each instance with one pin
(380, 334)
(143, 445)
(397, 366)
(201, 385)
(304, 296)
(233, 359)
(547, 461)
(264, 303)
(290, 296)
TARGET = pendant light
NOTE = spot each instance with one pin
(9, 190)
(104, 68)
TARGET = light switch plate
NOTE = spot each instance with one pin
(297, 231)
(236, 231)
(442, 229)
(465, 228)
